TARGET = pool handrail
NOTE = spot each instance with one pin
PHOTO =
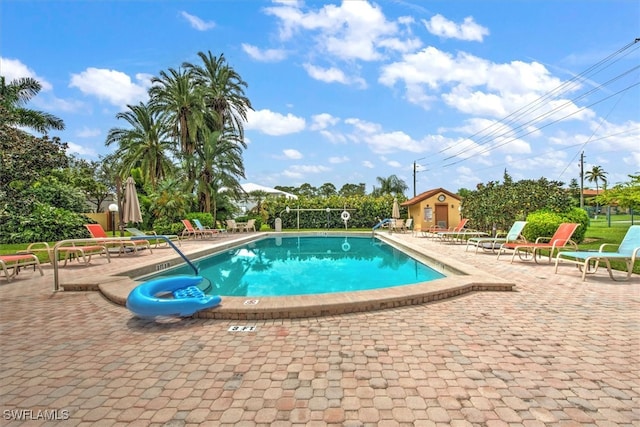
(56, 279)
(381, 223)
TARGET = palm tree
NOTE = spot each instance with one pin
(391, 185)
(222, 90)
(16, 94)
(175, 97)
(145, 145)
(219, 162)
(594, 175)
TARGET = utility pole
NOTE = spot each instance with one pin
(582, 180)
(414, 174)
(414, 178)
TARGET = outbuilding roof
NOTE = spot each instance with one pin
(428, 194)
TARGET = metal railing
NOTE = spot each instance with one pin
(58, 245)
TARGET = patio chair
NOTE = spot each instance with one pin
(232, 226)
(69, 250)
(587, 261)
(152, 234)
(459, 235)
(190, 230)
(397, 225)
(408, 225)
(560, 239)
(16, 262)
(435, 229)
(207, 230)
(249, 225)
(492, 243)
(97, 232)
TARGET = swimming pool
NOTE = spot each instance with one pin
(302, 265)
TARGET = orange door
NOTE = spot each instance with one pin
(442, 216)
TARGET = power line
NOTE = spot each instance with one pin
(541, 101)
(542, 127)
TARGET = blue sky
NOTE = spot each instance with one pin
(345, 92)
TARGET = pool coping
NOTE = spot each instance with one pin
(467, 280)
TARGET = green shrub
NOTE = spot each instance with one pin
(164, 226)
(544, 223)
(43, 224)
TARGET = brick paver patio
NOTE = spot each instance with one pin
(556, 351)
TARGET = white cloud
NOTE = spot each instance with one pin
(300, 171)
(367, 164)
(323, 121)
(112, 86)
(336, 159)
(13, 69)
(74, 148)
(476, 86)
(198, 23)
(266, 55)
(290, 153)
(392, 142)
(271, 123)
(440, 26)
(364, 126)
(335, 137)
(86, 132)
(351, 30)
(333, 75)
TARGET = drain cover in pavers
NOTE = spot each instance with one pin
(247, 328)
(234, 382)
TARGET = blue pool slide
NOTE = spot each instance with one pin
(145, 300)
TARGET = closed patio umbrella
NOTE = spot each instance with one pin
(131, 205)
(395, 212)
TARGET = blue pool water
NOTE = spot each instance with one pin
(277, 266)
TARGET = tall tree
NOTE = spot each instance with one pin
(145, 144)
(391, 185)
(219, 162)
(594, 175)
(327, 189)
(222, 90)
(14, 96)
(175, 97)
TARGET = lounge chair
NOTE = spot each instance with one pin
(560, 239)
(493, 243)
(84, 251)
(190, 230)
(408, 225)
(460, 235)
(16, 262)
(97, 232)
(207, 230)
(70, 251)
(587, 261)
(152, 234)
(435, 229)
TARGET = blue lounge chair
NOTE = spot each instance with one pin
(493, 243)
(587, 262)
(152, 234)
(205, 230)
